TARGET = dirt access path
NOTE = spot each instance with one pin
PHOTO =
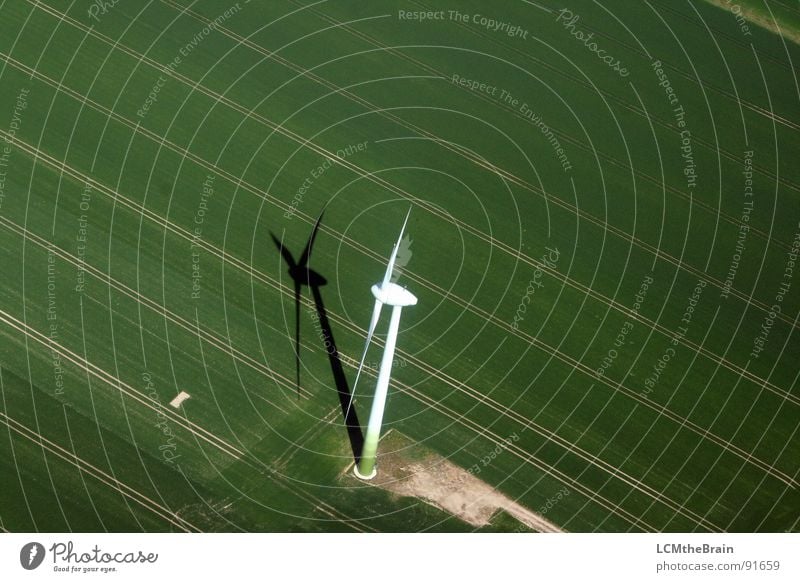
(759, 18)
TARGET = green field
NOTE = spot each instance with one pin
(604, 245)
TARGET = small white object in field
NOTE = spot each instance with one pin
(178, 400)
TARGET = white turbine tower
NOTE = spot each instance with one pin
(389, 293)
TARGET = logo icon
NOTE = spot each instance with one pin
(403, 257)
(31, 555)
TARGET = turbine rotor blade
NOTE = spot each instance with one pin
(390, 267)
(287, 256)
(297, 290)
(376, 312)
(307, 251)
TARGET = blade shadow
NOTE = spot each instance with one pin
(303, 275)
(342, 387)
(298, 286)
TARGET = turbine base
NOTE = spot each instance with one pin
(364, 477)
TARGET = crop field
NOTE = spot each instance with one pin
(604, 239)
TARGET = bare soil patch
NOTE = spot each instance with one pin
(409, 470)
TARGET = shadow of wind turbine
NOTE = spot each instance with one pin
(301, 274)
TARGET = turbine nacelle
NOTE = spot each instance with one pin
(394, 295)
(305, 276)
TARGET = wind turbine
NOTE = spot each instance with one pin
(386, 293)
